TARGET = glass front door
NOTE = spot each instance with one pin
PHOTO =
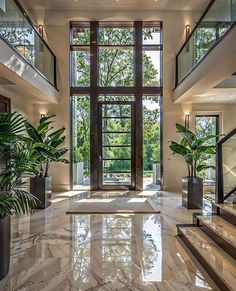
(116, 139)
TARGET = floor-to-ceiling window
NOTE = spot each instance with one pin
(208, 125)
(116, 139)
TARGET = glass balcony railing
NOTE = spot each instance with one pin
(216, 21)
(18, 31)
(226, 166)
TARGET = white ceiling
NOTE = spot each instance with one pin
(198, 5)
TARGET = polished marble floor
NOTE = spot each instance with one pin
(54, 251)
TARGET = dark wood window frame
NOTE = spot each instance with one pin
(138, 90)
(7, 103)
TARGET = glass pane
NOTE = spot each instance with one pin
(110, 139)
(117, 152)
(229, 164)
(44, 60)
(151, 142)
(110, 166)
(116, 178)
(81, 68)
(116, 67)
(115, 110)
(206, 126)
(116, 36)
(151, 36)
(20, 34)
(215, 24)
(120, 125)
(151, 68)
(81, 141)
(116, 98)
(81, 35)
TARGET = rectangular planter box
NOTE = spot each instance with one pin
(42, 189)
(5, 232)
(192, 192)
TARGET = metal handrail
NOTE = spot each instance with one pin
(220, 195)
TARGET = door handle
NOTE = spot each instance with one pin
(100, 158)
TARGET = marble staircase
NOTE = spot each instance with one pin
(211, 238)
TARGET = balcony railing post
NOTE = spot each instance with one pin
(219, 174)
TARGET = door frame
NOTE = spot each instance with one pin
(101, 186)
(7, 102)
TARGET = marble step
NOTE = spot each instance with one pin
(227, 211)
(228, 207)
(220, 231)
(219, 265)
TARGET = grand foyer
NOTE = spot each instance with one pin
(117, 76)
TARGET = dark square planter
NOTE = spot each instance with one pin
(192, 192)
(41, 188)
(5, 233)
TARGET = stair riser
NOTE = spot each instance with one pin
(221, 242)
(214, 276)
(227, 216)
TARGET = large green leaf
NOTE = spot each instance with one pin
(179, 149)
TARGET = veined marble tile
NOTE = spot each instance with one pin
(55, 251)
(221, 227)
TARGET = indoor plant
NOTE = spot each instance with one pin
(194, 150)
(46, 143)
(16, 164)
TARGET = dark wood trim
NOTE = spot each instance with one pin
(211, 272)
(138, 25)
(219, 240)
(7, 103)
(94, 115)
(137, 91)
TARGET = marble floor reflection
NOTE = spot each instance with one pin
(54, 251)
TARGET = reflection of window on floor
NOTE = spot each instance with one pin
(81, 249)
(152, 249)
(116, 248)
(201, 282)
(207, 125)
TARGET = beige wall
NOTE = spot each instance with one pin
(57, 34)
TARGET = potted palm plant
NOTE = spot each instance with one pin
(46, 143)
(194, 150)
(17, 164)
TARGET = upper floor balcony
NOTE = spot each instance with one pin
(25, 58)
(208, 45)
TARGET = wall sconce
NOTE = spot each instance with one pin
(40, 29)
(42, 115)
(187, 34)
(187, 31)
(186, 121)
